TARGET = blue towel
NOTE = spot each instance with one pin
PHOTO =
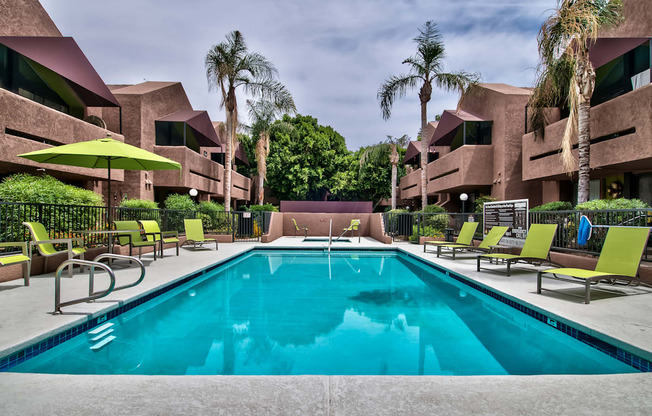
(583, 231)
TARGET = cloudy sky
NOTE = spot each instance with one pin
(331, 54)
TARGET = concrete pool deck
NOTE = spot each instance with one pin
(26, 314)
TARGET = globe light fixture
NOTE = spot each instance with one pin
(193, 192)
(463, 197)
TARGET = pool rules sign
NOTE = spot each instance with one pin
(513, 214)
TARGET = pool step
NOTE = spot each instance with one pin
(100, 328)
(101, 336)
(102, 343)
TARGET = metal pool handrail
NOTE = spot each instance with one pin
(119, 256)
(92, 264)
(92, 295)
(330, 236)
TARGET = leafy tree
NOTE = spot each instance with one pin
(249, 147)
(304, 158)
(230, 65)
(263, 113)
(566, 74)
(426, 68)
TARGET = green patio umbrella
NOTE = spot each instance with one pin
(103, 154)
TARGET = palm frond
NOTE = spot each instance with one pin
(393, 88)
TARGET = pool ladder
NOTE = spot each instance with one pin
(95, 263)
(330, 236)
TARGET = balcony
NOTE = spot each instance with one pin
(464, 169)
(197, 171)
(410, 185)
(26, 126)
(240, 187)
(620, 139)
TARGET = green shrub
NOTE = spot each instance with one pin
(435, 217)
(181, 207)
(45, 189)
(213, 216)
(620, 203)
(425, 232)
(264, 207)
(553, 206)
(480, 201)
(138, 203)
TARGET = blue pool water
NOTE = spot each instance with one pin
(350, 313)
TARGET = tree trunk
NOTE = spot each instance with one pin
(584, 147)
(262, 148)
(227, 160)
(424, 157)
(394, 174)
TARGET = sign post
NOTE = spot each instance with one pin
(513, 214)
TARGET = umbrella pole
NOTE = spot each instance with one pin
(108, 204)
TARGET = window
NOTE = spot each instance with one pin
(176, 133)
(472, 133)
(35, 82)
(622, 75)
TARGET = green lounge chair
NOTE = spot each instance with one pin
(491, 239)
(41, 239)
(354, 226)
(17, 259)
(536, 249)
(154, 233)
(619, 260)
(132, 238)
(464, 237)
(195, 234)
(303, 228)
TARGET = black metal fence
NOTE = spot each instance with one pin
(63, 220)
(411, 226)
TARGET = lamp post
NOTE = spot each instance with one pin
(193, 193)
(463, 198)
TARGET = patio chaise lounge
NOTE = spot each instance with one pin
(303, 228)
(195, 234)
(354, 226)
(6, 260)
(154, 233)
(619, 260)
(464, 237)
(132, 238)
(492, 239)
(44, 244)
(536, 249)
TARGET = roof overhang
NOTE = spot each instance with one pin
(413, 153)
(63, 56)
(605, 50)
(200, 122)
(448, 124)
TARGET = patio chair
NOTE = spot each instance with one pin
(6, 260)
(44, 244)
(154, 233)
(132, 238)
(303, 228)
(354, 226)
(490, 240)
(619, 260)
(195, 234)
(536, 249)
(464, 237)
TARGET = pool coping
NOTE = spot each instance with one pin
(613, 347)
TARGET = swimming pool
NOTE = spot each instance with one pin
(305, 312)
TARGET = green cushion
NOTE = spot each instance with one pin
(39, 233)
(500, 256)
(493, 237)
(579, 273)
(538, 241)
(622, 250)
(16, 258)
(466, 233)
(195, 230)
(136, 237)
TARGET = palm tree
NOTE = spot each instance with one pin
(263, 114)
(425, 69)
(566, 75)
(230, 65)
(377, 151)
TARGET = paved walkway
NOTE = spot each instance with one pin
(26, 314)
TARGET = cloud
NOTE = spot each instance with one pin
(332, 55)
